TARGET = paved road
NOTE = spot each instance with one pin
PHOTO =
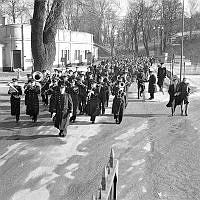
(158, 154)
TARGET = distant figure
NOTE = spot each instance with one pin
(15, 91)
(152, 85)
(173, 88)
(184, 91)
(162, 72)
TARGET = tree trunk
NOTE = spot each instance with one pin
(136, 42)
(43, 33)
(145, 42)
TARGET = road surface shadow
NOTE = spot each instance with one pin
(26, 137)
(4, 108)
(146, 115)
(106, 123)
(9, 125)
(80, 123)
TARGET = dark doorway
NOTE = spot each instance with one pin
(17, 59)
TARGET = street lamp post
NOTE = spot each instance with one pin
(182, 39)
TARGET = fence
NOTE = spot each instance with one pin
(108, 186)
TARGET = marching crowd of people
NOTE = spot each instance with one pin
(70, 93)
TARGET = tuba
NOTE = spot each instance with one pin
(38, 76)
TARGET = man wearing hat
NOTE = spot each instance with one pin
(162, 72)
(62, 107)
(152, 84)
(15, 91)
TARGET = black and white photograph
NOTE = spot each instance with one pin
(99, 99)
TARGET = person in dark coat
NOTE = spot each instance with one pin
(32, 90)
(62, 107)
(93, 109)
(82, 95)
(15, 91)
(141, 78)
(161, 75)
(102, 97)
(73, 90)
(53, 92)
(173, 91)
(152, 85)
(184, 91)
(118, 106)
(106, 85)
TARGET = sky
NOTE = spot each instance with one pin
(124, 5)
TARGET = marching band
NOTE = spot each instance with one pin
(65, 92)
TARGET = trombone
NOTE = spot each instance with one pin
(12, 86)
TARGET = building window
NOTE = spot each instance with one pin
(65, 54)
(86, 51)
(77, 54)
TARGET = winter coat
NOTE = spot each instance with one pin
(15, 99)
(152, 84)
(62, 106)
(93, 108)
(32, 100)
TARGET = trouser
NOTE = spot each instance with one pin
(102, 106)
(141, 89)
(45, 99)
(34, 118)
(152, 95)
(107, 98)
(17, 118)
(93, 117)
(63, 125)
(82, 104)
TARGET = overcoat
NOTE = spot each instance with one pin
(32, 100)
(15, 99)
(93, 108)
(62, 106)
(152, 84)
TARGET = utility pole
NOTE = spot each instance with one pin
(182, 39)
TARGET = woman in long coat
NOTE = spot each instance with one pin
(62, 107)
(31, 99)
(152, 85)
(15, 91)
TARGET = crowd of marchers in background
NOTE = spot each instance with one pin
(70, 93)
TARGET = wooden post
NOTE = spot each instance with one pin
(100, 192)
(103, 181)
(111, 161)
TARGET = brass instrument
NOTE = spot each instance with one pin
(38, 76)
(122, 85)
(12, 86)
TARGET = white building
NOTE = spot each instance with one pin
(15, 47)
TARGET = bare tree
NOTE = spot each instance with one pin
(193, 5)
(16, 9)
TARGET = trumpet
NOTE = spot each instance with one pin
(12, 86)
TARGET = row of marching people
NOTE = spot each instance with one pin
(68, 94)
